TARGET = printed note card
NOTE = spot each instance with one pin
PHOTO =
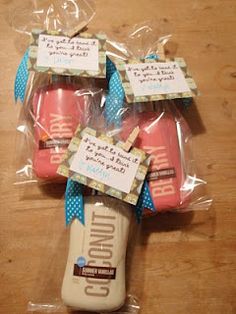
(152, 80)
(99, 161)
(148, 79)
(83, 55)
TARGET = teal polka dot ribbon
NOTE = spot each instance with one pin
(115, 97)
(144, 201)
(74, 203)
(21, 78)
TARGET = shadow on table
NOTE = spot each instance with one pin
(191, 225)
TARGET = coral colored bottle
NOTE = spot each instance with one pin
(57, 111)
(161, 135)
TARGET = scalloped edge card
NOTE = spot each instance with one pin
(153, 80)
(55, 53)
(100, 162)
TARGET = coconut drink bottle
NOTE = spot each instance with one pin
(94, 278)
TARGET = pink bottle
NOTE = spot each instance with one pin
(161, 136)
(57, 112)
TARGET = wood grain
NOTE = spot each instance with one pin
(183, 263)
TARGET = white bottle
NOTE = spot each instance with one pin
(100, 244)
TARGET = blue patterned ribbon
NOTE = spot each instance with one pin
(21, 79)
(144, 201)
(74, 203)
(115, 97)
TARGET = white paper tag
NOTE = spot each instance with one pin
(64, 52)
(105, 163)
(157, 78)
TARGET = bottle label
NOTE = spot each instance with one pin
(95, 272)
(161, 174)
(54, 142)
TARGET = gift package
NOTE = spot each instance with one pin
(106, 119)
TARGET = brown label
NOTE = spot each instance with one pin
(95, 272)
(161, 174)
(54, 142)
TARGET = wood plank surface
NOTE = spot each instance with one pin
(182, 263)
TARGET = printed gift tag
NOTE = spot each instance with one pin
(99, 161)
(152, 80)
(83, 55)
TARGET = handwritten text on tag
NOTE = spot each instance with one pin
(64, 52)
(156, 78)
(105, 163)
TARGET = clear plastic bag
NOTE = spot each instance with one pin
(140, 41)
(87, 100)
(164, 133)
(40, 143)
(109, 231)
(59, 15)
(172, 178)
(52, 108)
(95, 275)
(131, 306)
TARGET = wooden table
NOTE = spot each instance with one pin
(183, 263)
